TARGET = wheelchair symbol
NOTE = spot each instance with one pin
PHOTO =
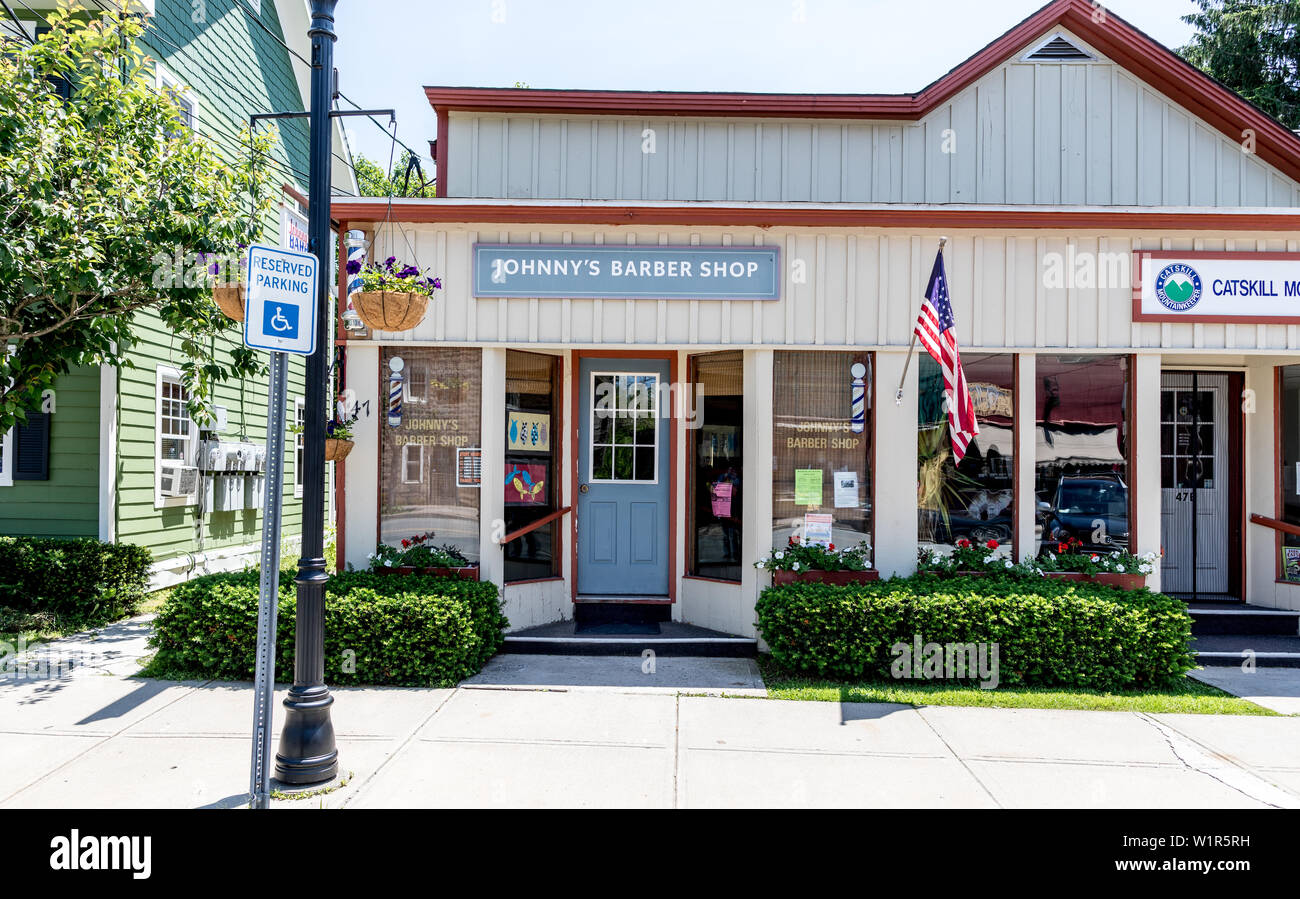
(280, 320)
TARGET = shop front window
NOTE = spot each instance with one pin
(822, 424)
(430, 476)
(970, 500)
(532, 485)
(1081, 472)
(715, 464)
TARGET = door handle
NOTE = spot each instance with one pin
(582, 488)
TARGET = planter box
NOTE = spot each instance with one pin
(467, 574)
(1105, 578)
(337, 449)
(839, 578)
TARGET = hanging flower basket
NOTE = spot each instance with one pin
(336, 449)
(230, 300)
(386, 310)
(393, 297)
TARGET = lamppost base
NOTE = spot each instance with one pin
(308, 753)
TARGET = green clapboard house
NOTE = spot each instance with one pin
(111, 452)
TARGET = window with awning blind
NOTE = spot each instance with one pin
(821, 455)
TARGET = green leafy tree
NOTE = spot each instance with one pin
(106, 203)
(1252, 46)
(372, 182)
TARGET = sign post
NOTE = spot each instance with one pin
(281, 317)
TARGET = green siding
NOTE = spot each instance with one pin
(67, 505)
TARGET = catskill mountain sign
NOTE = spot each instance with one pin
(1252, 288)
(626, 272)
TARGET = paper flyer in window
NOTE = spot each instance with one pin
(846, 489)
(817, 528)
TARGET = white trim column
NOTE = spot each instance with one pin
(756, 482)
(1146, 453)
(492, 503)
(1026, 455)
(361, 468)
(108, 425)
(893, 465)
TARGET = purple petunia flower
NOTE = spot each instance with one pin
(389, 262)
(408, 272)
(354, 266)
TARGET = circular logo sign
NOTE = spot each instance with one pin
(1178, 287)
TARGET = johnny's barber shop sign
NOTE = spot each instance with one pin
(627, 272)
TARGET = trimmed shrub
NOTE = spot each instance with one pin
(72, 584)
(1049, 632)
(379, 629)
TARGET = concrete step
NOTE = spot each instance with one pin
(1268, 651)
(1241, 618)
(628, 637)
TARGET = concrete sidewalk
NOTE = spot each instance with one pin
(98, 739)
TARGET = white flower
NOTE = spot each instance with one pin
(758, 564)
(1120, 569)
(796, 566)
(779, 555)
(1052, 556)
(1009, 564)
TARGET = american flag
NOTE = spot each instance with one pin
(934, 328)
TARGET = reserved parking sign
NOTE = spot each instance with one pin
(281, 312)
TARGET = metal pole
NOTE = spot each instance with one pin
(308, 753)
(269, 592)
(898, 396)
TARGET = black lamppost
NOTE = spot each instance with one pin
(308, 753)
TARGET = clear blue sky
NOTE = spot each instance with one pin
(389, 49)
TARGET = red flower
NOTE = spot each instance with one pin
(831, 547)
(405, 544)
(963, 543)
(1061, 547)
(992, 544)
(794, 539)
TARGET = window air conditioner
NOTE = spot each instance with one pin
(177, 479)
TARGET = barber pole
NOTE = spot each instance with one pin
(395, 366)
(859, 394)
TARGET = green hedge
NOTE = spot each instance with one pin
(1049, 632)
(70, 584)
(379, 629)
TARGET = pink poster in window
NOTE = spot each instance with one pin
(721, 499)
(526, 483)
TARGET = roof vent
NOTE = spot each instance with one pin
(1058, 49)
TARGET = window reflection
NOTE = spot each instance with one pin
(716, 462)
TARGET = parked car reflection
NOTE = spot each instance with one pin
(1092, 509)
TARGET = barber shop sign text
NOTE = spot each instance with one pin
(626, 272)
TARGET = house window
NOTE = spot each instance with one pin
(412, 464)
(300, 422)
(971, 500)
(175, 441)
(417, 384)
(172, 86)
(716, 461)
(822, 447)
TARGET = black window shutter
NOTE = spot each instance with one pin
(32, 448)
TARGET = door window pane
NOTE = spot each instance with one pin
(624, 427)
(716, 438)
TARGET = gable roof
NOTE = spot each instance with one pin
(1124, 44)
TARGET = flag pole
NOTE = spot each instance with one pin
(898, 397)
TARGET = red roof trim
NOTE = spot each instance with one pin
(1104, 31)
(451, 212)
